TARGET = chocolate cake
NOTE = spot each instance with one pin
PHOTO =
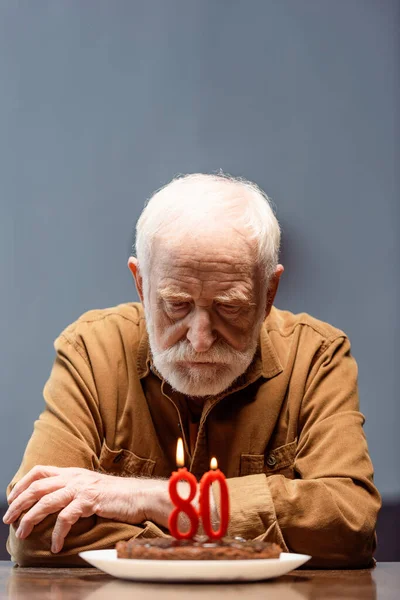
(197, 549)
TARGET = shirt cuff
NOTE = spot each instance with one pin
(150, 530)
(252, 511)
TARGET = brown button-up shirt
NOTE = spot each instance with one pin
(288, 436)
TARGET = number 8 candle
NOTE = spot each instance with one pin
(182, 504)
(208, 478)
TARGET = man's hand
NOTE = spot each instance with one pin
(75, 493)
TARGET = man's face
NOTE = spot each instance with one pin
(204, 309)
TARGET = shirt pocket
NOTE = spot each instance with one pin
(277, 460)
(124, 463)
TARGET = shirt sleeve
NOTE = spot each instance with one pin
(329, 509)
(69, 433)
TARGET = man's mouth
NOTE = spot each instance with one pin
(189, 363)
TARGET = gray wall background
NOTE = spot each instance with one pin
(101, 102)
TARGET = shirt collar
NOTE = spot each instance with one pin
(271, 365)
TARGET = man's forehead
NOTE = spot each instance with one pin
(205, 251)
(203, 265)
(216, 282)
(187, 266)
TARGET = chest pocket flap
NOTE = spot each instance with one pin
(124, 462)
(277, 460)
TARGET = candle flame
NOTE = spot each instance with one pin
(213, 464)
(180, 456)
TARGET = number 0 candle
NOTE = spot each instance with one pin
(182, 505)
(208, 478)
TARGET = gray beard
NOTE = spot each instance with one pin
(226, 364)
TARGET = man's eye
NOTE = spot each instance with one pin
(229, 309)
(177, 306)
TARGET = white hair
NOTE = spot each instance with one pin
(195, 201)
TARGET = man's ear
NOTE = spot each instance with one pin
(273, 288)
(133, 266)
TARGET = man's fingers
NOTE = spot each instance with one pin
(47, 505)
(27, 498)
(67, 517)
(38, 472)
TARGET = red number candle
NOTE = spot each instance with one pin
(208, 478)
(182, 505)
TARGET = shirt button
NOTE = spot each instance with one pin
(271, 460)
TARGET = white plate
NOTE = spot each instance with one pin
(193, 570)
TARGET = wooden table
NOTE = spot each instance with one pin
(382, 583)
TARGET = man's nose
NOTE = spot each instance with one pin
(200, 333)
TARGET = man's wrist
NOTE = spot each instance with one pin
(128, 499)
(157, 504)
(148, 498)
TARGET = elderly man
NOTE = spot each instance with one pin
(207, 357)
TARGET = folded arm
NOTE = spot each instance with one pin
(59, 499)
(75, 493)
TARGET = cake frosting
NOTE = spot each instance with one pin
(199, 548)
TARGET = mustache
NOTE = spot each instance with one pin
(219, 353)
